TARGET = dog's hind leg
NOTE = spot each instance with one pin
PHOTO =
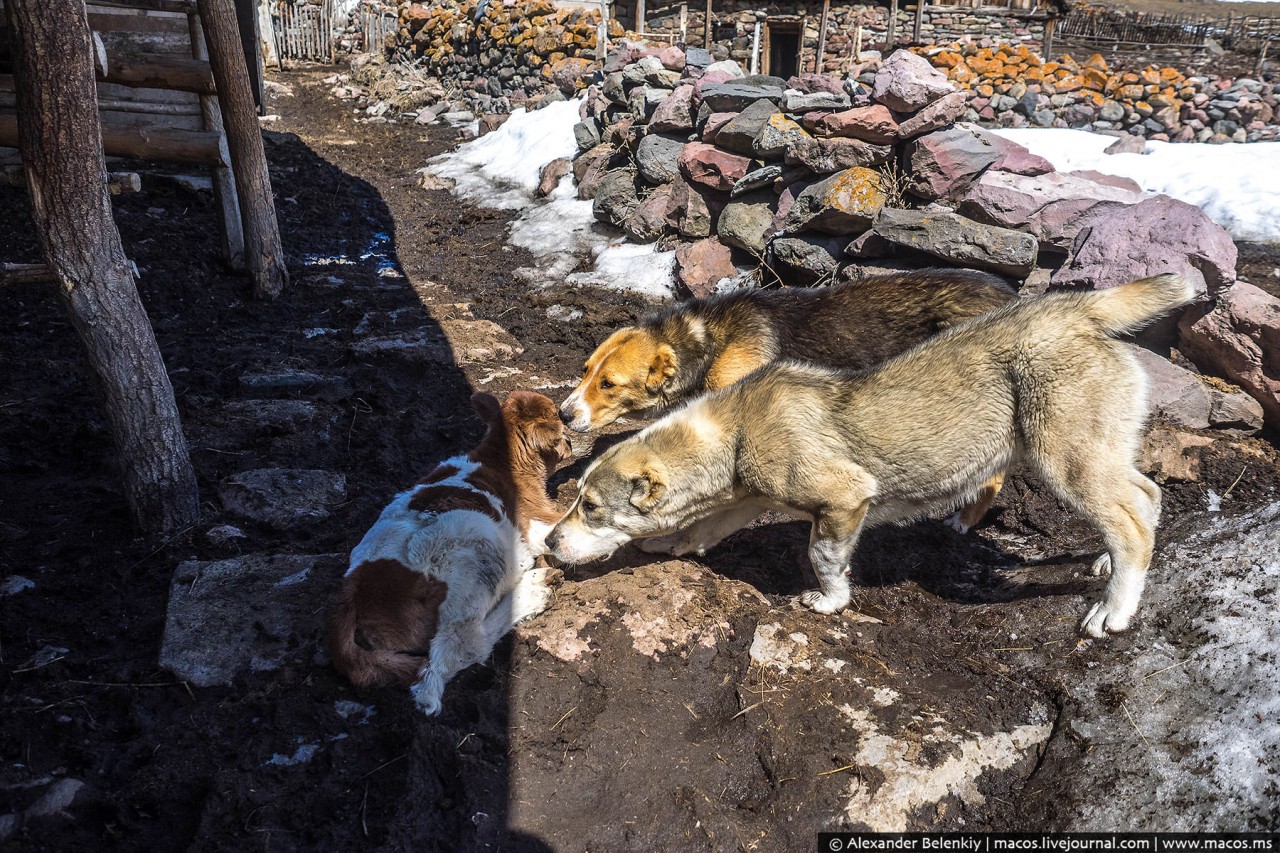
(831, 543)
(963, 520)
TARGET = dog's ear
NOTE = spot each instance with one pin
(647, 490)
(662, 368)
(487, 407)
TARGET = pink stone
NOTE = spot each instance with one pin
(700, 265)
(675, 113)
(1239, 338)
(711, 167)
(871, 124)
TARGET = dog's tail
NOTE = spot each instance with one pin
(1130, 306)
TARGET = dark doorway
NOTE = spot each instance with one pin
(782, 40)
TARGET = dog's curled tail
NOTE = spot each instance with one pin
(1130, 306)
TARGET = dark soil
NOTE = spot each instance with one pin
(168, 766)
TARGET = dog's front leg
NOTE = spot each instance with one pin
(831, 543)
(454, 648)
(703, 535)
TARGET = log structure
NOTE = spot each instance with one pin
(60, 140)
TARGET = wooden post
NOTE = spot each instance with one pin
(1047, 50)
(915, 35)
(893, 26)
(263, 254)
(822, 36)
(706, 38)
(224, 182)
(640, 16)
(67, 184)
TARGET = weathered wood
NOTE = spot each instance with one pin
(1046, 52)
(160, 72)
(822, 36)
(891, 28)
(231, 229)
(919, 22)
(117, 182)
(26, 274)
(66, 176)
(706, 26)
(264, 256)
(139, 142)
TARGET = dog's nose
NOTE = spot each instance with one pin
(566, 416)
(552, 539)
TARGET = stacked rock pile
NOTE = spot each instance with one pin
(818, 179)
(1012, 87)
(498, 50)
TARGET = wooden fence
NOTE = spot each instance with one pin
(303, 30)
(1100, 27)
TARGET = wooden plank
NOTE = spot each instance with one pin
(822, 36)
(26, 274)
(117, 182)
(919, 23)
(139, 143)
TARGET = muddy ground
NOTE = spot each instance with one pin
(166, 765)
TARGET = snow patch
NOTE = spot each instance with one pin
(908, 785)
(14, 584)
(1237, 186)
(772, 647)
(501, 170)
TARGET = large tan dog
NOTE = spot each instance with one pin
(1041, 381)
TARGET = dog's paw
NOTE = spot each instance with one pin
(1101, 566)
(1102, 620)
(956, 522)
(532, 596)
(428, 692)
(820, 602)
(660, 544)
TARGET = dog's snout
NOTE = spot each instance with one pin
(566, 416)
(553, 538)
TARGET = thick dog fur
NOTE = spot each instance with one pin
(1041, 381)
(447, 569)
(707, 344)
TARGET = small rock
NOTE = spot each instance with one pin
(283, 497)
(844, 203)
(906, 82)
(1238, 337)
(658, 157)
(551, 175)
(746, 220)
(959, 240)
(703, 264)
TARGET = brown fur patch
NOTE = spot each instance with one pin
(431, 498)
(733, 363)
(442, 472)
(382, 626)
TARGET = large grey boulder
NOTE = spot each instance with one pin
(776, 135)
(616, 197)
(906, 82)
(958, 240)
(658, 156)
(253, 613)
(807, 259)
(835, 154)
(844, 203)
(746, 220)
(739, 133)
(737, 96)
(1179, 397)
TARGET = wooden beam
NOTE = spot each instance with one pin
(160, 72)
(117, 182)
(65, 170)
(919, 23)
(822, 36)
(140, 143)
(230, 222)
(264, 255)
(891, 29)
(1046, 51)
(26, 274)
(706, 26)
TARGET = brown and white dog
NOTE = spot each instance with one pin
(447, 569)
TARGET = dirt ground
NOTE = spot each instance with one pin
(168, 766)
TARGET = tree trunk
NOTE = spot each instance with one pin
(263, 254)
(67, 184)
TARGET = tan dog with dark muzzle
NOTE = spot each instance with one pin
(1041, 381)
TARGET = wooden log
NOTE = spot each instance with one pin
(230, 224)
(822, 36)
(919, 23)
(264, 256)
(139, 143)
(706, 26)
(117, 182)
(66, 173)
(160, 72)
(892, 27)
(27, 274)
(179, 7)
(1046, 52)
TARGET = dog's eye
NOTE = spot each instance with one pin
(588, 506)
(605, 384)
